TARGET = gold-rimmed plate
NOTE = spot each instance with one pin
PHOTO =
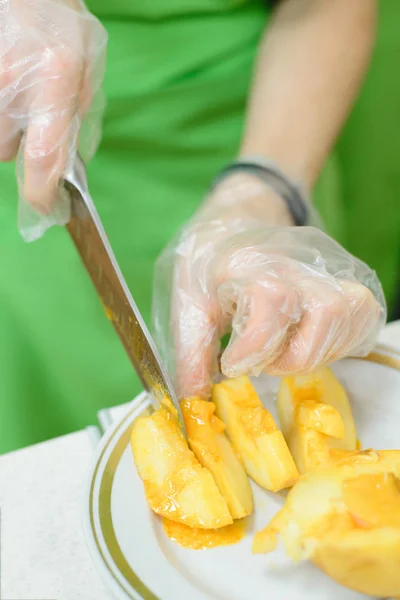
(137, 561)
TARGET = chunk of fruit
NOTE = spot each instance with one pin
(321, 417)
(309, 448)
(254, 434)
(315, 416)
(367, 561)
(213, 450)
(308, 505)
(373, 500)
(175, 483)
(365, 461)
(202, 539)
(347, 522)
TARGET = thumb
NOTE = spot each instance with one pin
(197, 343)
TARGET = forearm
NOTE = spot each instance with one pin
(311, 64)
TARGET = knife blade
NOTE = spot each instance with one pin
(90, 239)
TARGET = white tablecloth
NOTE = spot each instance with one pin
(43, 552)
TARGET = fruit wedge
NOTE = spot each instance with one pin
(365, 461)
(176, 485)
(214, 451)
(345, 519)
(373, 499)
(315, 416)
(365, 561)
(366, 556)
(254, 434)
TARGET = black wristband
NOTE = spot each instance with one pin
(274, 178)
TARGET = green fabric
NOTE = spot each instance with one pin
(177, 79)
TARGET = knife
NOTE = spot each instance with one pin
(91, 241)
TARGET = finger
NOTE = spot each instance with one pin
(196, 345)
(52, 130)
(10, 131)
(366, 315)
(263, 313)
(322, 331)
(195, 321)
(86, 94)
(10, 138)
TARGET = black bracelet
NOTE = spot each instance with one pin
(272, 176)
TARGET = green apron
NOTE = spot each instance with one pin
(177, 78)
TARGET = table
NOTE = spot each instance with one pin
(43, 552)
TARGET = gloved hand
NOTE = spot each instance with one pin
(293, 298)
(52, 58)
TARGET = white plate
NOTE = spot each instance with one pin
(138, 561)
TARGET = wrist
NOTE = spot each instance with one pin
(246, 195)
(263, 178)
(287, 157)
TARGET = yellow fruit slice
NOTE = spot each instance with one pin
(315, 416)
(346, 519)
(254, 434)
(202, 539)
(364, 461)
(213, 450)
(373, 500)
(308, 504)
(367, 561)
(321, 417)
(176, 485)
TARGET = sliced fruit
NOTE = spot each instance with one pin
(202, 539)
(254, 434)
(175, 483)
(367, 561)
(346, 522)
(214, 451)
(321, 417)
(309, 448)
(373, 500)
(315, 416)
(365, 461)
(309, 504)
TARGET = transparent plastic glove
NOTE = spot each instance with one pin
(293, 298)
(52, 58)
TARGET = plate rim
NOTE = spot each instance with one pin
(139, 404)
(111, 450)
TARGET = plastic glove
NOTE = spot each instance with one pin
(52, 58)
(293, 298)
